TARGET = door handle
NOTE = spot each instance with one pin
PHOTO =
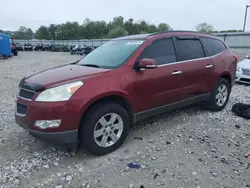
(209, 66)
(176, 72)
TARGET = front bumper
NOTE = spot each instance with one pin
(240, 77)
(69, 114)
(67, 139)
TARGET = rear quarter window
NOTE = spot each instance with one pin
(213, 46)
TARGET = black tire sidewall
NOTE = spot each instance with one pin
(88, 124)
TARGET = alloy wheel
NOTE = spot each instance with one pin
(221, 95)
(108, 130)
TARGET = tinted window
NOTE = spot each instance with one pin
(162, 51)
(190, 49)
(213, 46)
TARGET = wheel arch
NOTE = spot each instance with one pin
(227, 75)
(116, 97)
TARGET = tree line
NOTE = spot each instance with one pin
(90, 29)
(21, 33)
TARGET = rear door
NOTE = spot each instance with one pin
(195, 66)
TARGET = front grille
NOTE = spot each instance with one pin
(246, 72)
(26, 94)
(245, 80)
(21, 109)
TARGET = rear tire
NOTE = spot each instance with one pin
(110, 133)
(219, 96)
(15, 53)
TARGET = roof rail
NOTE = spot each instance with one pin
(185, 31)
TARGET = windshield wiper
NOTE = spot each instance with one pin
(90, 65)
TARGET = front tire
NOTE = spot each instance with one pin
(219, 96)
(104, 128)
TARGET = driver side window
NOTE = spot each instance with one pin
(162, 51)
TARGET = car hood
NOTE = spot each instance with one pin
(245, 64)
(63, 74)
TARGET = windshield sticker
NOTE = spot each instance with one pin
(134, 43)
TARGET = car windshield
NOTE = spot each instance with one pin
(111, 54)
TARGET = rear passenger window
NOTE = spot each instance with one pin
(213, 46)
(162, 51)
(190, 49)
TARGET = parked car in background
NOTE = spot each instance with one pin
(65, 48)
(54, 48)
(39, 47)
(28, 47)
(47, 47)
(19, 47)
(243, 71)
(87, 50)
(71, 48)
(59, 48)
(78, 49)
(137, 76)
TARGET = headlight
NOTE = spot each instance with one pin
(59, 93)
(238, 69)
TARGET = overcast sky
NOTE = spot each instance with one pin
(180, 14)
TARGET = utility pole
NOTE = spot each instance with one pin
(244, 27)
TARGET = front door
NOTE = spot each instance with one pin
(162, 85)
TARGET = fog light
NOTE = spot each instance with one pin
(44, 124)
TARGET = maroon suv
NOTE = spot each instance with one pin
(93, 102)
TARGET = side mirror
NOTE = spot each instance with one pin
(146, 64)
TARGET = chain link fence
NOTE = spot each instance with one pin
(85, 42)
(239, 42)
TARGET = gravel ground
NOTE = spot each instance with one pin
(189, 147)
